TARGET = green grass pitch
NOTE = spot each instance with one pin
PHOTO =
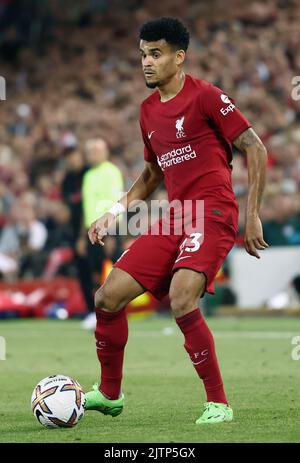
(163, 394)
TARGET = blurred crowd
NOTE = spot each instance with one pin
(73, 73)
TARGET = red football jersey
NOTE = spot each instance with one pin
(190, 138)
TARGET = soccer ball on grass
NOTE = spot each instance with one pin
(57, 402)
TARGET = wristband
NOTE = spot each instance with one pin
(117, 209)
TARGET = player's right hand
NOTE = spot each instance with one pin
(99, 228)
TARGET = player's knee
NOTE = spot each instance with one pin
(104, 299)
(181, 304)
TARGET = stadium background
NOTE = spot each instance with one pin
(73, 73)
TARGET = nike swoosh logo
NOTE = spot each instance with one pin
(150, 134)
(197, 363)
(179, 258)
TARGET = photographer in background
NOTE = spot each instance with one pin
(102, 186)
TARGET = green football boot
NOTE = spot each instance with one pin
(95, 400)
(215, 413)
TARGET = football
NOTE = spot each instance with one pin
(57, 402)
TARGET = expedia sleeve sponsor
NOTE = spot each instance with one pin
(221, 109)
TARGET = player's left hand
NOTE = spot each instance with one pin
(254, 236)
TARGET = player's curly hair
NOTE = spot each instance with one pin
(170, 29)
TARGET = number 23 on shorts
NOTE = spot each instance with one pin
(190, 244)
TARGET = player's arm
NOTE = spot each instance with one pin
(142, 188)
(250, 144)
(145, 184)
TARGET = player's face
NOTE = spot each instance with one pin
(159, 61)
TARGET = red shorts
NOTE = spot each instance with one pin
(153, 259)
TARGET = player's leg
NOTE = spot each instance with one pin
(117, 291)
(147, 264)
(111, 337)
(186, 288)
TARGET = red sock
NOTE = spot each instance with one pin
(111, 338)
(200, 346)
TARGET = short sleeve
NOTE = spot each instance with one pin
(221, 109)
(149, 155)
